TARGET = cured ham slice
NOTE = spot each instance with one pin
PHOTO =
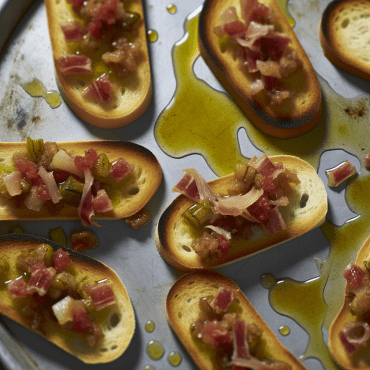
(75, 64)
(102, 296)
(33, 200)
(121, 169)
(354, 275)
(61, 260)
(51, 184)
(73, 30)
(101, 89)
(340, 173)
(101, 202)
(85, 208)
(17, 288)
(222, 299)
(40, 281)
(188, 187)
(276, 222)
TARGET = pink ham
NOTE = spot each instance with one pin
(276, 222)
(102, 296)
(85, 209)
(17, 288)
(188, 187)
(75, 64)
(101, 202)
(40, 281)
(73, 30)
(354, 275)
(223, 299)
(61, 260)
(340, 173)
(100, 89)
(51, 184)
(121, 169)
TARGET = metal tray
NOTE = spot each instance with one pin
(26, 54)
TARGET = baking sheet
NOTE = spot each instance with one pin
(132, 253)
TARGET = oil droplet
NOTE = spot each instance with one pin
(268, 281)
(284, 330)
(149, 367)
(174, 358)
(152, 35)
(36, 88)
(171, 8)
(150, 326)
(155, 349)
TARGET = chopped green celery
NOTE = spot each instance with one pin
(102, 166)
(34, 148)
(59, 236)
(198, 214)
(71, 191)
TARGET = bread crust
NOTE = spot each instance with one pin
(140, 189)
(360, 360)
(138, 86)
(117, 337)
(343, 36)
(298, 114)
(174, 235)
(182, 310)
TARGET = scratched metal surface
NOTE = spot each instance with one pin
(132, 254)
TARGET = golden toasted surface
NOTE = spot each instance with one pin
(361, 359)
(118, 321)
(134, 193)
(182, 310)
(345, 35)
(174, 235)
(128, 106)
(296, 115)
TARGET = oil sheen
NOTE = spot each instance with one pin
(36, 88)
(207, 122)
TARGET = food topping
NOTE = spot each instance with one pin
(48, 289)
(259, 189)
(356, 334)
(340, 173)
(103, 32)
(260, 47)
(139, 219)
(219, 326)
(48, 175)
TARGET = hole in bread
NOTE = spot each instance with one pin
(114, 347)
(189, 300)
(104, 350)
(345, 23)
(133, 191)
(186, 248)
(179, 315)
(114, 320)
(304, 200)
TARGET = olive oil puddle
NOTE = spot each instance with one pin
(207, 122)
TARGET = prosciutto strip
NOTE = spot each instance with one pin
(17, 288)
(101, 202)
(51, 184)
(101, 88)
(75, 64)
(85, 209)
(188, 187)
(222, 299)
(276, 222)
(73, 30)
(340, 173)
(205, 191)
(121, 169)
(102, 296)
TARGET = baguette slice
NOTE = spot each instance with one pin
(182, 311)
(361, 359)
(138, 85)
(118, 326)
(345, 36)
(298, 114)
(139, 189)
(306, 210)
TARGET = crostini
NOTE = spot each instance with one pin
(101, 59)
(349, 333)
(70, 299)
(254, 53)
(220, 328)
(344, 34)
(264, 203)
(72, 180)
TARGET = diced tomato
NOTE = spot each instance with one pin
(38, 266)
(61, 176)
(354, 275)
(61, 259)
(86, 162)
(43, 192)
(261, 209)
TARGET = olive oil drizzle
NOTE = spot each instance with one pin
(208, 122)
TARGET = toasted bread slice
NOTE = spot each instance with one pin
(136, 191)
(182, 311)
(361, 359)
(306, 210)
(345, 36)
(297, 114)
(137, 86)
(117, 322)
